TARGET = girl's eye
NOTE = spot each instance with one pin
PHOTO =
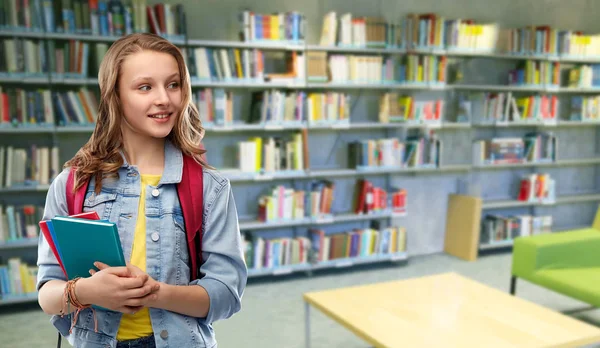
(174, 85)
(144, 88)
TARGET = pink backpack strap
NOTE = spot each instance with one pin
(191, 197)
(75, 199)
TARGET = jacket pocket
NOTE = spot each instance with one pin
(101, 203)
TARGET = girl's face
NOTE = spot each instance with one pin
(150, 94)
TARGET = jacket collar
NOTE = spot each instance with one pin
(173, 169)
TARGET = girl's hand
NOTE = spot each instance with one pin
(137, 272)
(115, 288)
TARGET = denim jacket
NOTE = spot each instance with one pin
(223, 272)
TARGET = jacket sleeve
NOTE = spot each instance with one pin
(56, 204)
(224, 268)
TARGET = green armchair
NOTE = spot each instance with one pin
(566, 262)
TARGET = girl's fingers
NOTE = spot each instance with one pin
(101, 265)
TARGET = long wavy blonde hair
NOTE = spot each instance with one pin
(101, 157)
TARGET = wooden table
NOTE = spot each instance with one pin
(446, 310)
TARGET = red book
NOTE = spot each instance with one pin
(44, 227)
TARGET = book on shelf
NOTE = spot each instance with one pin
(357, 31)
(273, 27)
(328, 108)
(388, 152)
(280, 203)
(18, 223)
(584, 108)
(35, 165)
(23, 57)
(432, 31)
(537, 188)
(417, 151)
(584, 76)
(534, 147)
(356, 243)
(274, 107)
(277, 107)
(261, 253)
(535, 73)
(215, 106)
(62, 59)
(96, 17)
(317, 66)
(369, 199)
(405, 109)
(24, 107)
(548, 41)
(17, 278)
(42, 107)
(466, 35)
(540, 147)
(244, 65)
(375, 69)
(273, 154)
(505, 108)
(497, 228)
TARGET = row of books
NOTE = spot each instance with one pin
(278, 26)
(505, 107)
(369, 199)
(430, 30)
(357, 243)
(96, 17)
(19, 222)
(422, 150)
(532, 72)
(60, 58)
(535, 147)
(277, 106)
(261, 253)
(545, 40)
(116, 17)
(584, 76)
(17, 278)
(270, 154)
(34, 165)
(357, 31)
(537, 187)
(497, 228)
(585, 108)
(403, 108)
(413, 31)
(283, 204)
(20, 106)
(233, 64)
(375, 69)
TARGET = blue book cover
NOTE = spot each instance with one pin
(82, 242)
(51, 230)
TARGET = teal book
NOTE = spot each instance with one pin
(82, 242)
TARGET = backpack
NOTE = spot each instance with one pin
(191, 197)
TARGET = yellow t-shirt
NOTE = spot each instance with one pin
(139, 324)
